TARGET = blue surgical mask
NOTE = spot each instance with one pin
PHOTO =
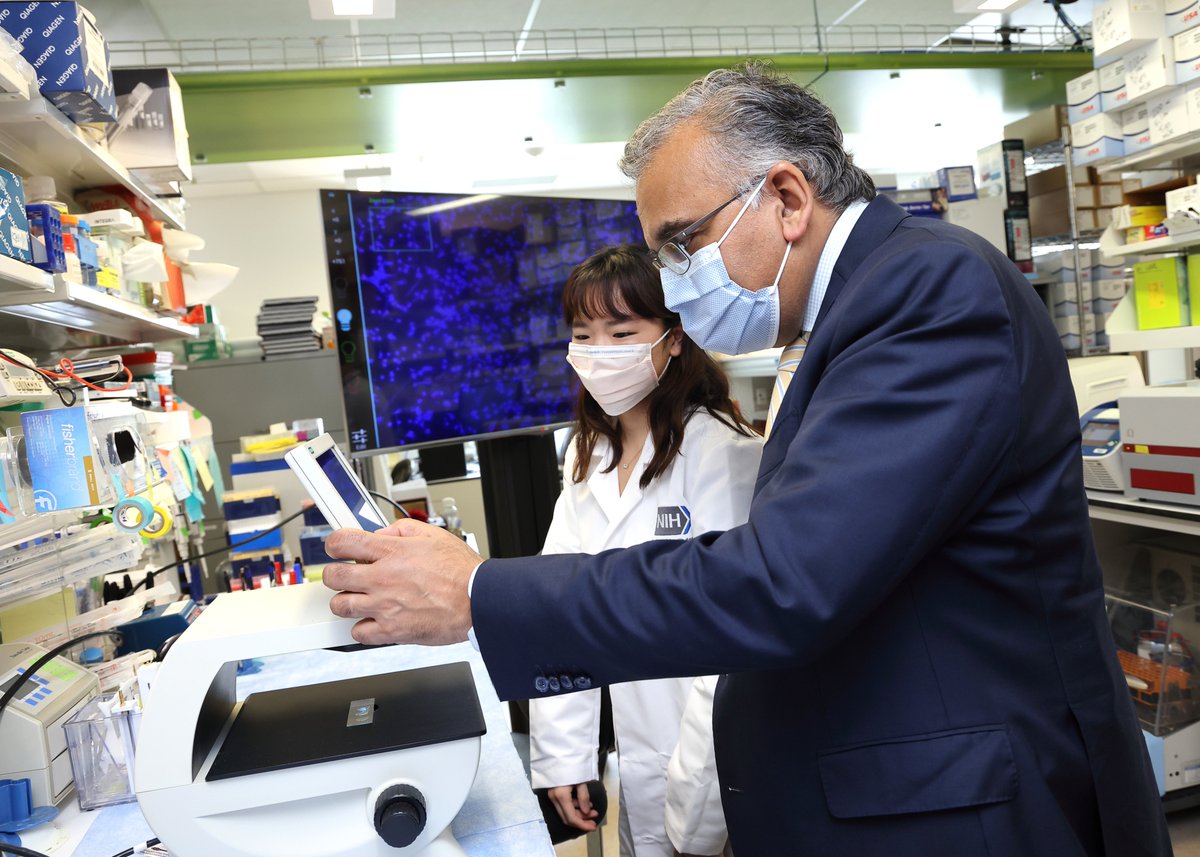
(716, 312)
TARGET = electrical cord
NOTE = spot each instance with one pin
(46, 377)
(227, 548)
(42, 661)
(388, 499)
(19, 851)
(129, 852)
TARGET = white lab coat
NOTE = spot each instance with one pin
(713, 479)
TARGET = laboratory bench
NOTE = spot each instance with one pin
(500, 817)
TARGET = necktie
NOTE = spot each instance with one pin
(788, 361)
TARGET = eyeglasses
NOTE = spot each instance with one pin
(673, 254)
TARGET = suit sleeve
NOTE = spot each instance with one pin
(564, 731)
(694, 818)
(908, 429)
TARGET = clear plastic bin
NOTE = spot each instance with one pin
(101, 748)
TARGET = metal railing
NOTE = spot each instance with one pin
(353, 51)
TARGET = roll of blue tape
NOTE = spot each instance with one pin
(132, 514)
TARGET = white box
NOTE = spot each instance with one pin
(1119, 26)
(1187, 55)
(1083, 97)
(1135, 131)
(983, 216)
(1060, 265)
(1064, 298)
(1110, 290)
(1109, 194)
(1097, 138)
(1169, 116)
(1149, 70)
(1181, 15)
(1183, 199)
(1113, 94)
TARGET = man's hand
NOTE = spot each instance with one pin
(574, 806)
(408, 583)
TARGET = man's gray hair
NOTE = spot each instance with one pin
(757, 117)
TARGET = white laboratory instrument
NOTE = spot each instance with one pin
(1102, 378)
(1101, 431)
(32, 741)
(326, 475)
(353, 768)
(1160, 443)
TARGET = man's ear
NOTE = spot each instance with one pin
(796, 198)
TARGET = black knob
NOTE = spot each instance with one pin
(400, 815)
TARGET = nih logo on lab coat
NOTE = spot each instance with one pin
(673, 521)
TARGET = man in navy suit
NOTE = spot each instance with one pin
(911, 624)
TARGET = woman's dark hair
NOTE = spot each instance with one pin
(621, 282)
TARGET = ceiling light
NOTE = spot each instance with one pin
(452, 204)
(969, 7)
(325, 10)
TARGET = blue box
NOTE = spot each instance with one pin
(46, 238)
(65, 48)
(156, 626)
(958, 182)
(58, 448)
(14, 224)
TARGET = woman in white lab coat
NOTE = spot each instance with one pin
(659, 452)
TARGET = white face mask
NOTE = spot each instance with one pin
(617, 376)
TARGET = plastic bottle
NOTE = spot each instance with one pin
(41, 190)
(451, 517)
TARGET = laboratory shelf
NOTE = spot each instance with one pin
(18, 278)
(1173, 154)
(1170, 244)
(69, 305)
(1123, 335)
(39, 140)
(1174, 518)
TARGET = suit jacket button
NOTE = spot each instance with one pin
(565, 681)
(541, 684)
(582, 682)
(554, 685)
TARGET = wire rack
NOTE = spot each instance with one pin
(353, 51)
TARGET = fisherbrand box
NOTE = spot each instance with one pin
(65, 48)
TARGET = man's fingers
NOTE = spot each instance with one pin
(359, 545)
(342, 604)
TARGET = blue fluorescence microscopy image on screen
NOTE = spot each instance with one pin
(449, 309)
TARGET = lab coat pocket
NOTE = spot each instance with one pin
(920, 773)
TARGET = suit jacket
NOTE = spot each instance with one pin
(912, 622)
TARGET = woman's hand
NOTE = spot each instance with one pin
(574, 806)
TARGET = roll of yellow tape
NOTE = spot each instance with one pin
(160, 524)
(133, 514)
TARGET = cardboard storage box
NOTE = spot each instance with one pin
(1055, 178)
(1083, 97)
(1169, 116)
(1039, 128)
(1150, 69)
(1135, 128)
(958, 182)
(63, 44)
(155, 145)
(1119, 26)
(1002, 172)
(1160, 293)
(14, 225)
(1050, 214)
(1097, 138)
(1113, 95)
(1181, 15)
(1187, 55)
